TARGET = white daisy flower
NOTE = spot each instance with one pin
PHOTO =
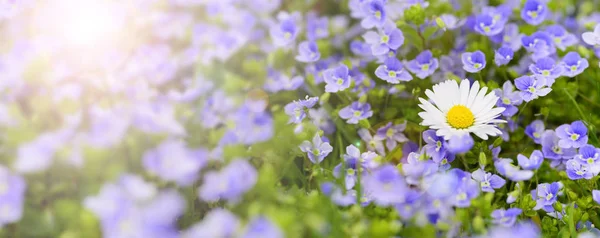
(459, 110)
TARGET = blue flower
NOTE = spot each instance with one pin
(451, 22)
(573, 64)
(589, 155)
(262, 227)
(510, 37)
(512, 172)
(577, 170)
(562, 38)
(386, 186)
(506, 218)
(423, 65)
(486, 24)
(285, 32)
(173, 161)
(551, 148)
(503, 56)
(387, 38)
(534, 12)
(317, 27)
(373, 143)
(596, 196)
(592, 38)
(308, 52)
(460, 144)
(336, 79)
(417, 170)
(531, 88)
(374, 14)
(297, 109)
(531, 163)
(522, 229)
(392, 71)
(230, 183)
(574, 135)
(317, 150)
(436, 145)
(277, 81)
(355, 112)
(12, 196)
(535, 131)
(473, 62)
(508, 99)
(540, 44)
(466, 190)
(218, 222)
(488, 181)
(545, 195)
(547, 69)
(392, 134)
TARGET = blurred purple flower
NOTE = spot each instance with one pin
(506, 218)
(473, 62)
(308, 52)
(534, 12)
(173, 161)
(503, 56)
(355, 112)
(531, 163)
(317, 150)
(535, 131)
(337, 79)
(392, 71)
(423, 65)
(573, 64)
(487, 181)
(230, 183)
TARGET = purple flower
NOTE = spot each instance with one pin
(217, 223)
(284, 33)
(467, 189)
(522, 229)
(252, 124)
(487, 24)
(460, 144)
(590, 156)
(308, 52)
(355, 112)
(297, 109)
(12, 196)
(577, 170)
(534, 12)
(508, 99)
(320, 117)
(551, 148)
(573, 64)
(512, 172)
(126, 214)
(355, 162)
(317, 150)
(531, 87)
(535, 131)
(449, 64)
(277, 81)
(531, 163)
(545, 195)
(511, 37)
(562, 38)
(574, 135)
(336, 79)
(506, 218)
(392, 134)
(230, 183)
(374, 14)
(215, 108)
(596, 196)
(392, 71)
(451, 22)
(503, 56)
(487, 181)
(388, 38)
(262, 227)
(173, 161)
(436, 146)
(317, 27)
(423, 65)
(592, 38)
(473, 62)
(547, 69)
(373, 143)
(540, 44)
(386, 186)
(417, 170)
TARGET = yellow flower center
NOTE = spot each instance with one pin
(460, 117)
